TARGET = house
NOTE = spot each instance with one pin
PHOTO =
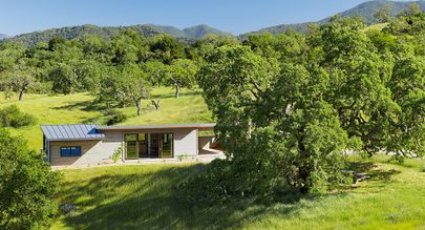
(85, 144)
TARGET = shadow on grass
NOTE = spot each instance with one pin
(372, 171)
(172, 95)
(146, 201)
(87, 106)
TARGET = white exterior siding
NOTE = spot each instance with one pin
(185, 142)
(113, 136)
(92, 152)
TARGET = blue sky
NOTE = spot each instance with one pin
(235, 16)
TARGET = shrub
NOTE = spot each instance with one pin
(27, 186)
(114, 117)
(117, 154)
(41, 88)
(11, 116)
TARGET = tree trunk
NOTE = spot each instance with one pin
(156, 104)
(21, 95)
(139, 107)
(177, 90)
(249, 131)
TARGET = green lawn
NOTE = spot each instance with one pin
(141, 197)
(78, 108)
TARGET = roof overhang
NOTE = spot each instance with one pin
(201, 127)
(75, 139)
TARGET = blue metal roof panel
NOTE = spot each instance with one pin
(61, 131)
(71, 132)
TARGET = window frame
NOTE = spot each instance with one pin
(67, 151)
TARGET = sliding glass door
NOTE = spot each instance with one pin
(143, 145)
(131, 146)
(167, 145)
(148, 145)
(155, 145)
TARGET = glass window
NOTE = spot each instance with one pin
(167, 145)
(131, 137)
(142, 137)
(70, 151)
(131, 147)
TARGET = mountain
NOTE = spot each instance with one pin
(148, 30)
(368, 9)
(365, 10)
(171, 30)
(3, 36)
(200, 31)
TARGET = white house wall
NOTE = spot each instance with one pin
(92, 152)
(185, 142)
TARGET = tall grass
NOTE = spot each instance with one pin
(143, 197)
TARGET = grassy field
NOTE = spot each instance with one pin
(78, 108)
(141, 197)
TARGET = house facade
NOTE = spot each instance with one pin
(81, 144)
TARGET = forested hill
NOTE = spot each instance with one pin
(368, 9)
(147, 30)
(200, 31)
(365, 10)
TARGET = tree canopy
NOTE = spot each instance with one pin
(27, 186)
(288, 115)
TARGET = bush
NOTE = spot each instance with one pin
(114, 117)
(27, 186)
(11, 116)
(117, 154)
(41, 88)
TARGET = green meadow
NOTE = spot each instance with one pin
(79, 108)
(143, 197)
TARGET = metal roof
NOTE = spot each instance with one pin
(201, 126)
(71, 132)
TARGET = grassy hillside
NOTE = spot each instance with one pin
(364, 10)
(142, 197)
(78, 108)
